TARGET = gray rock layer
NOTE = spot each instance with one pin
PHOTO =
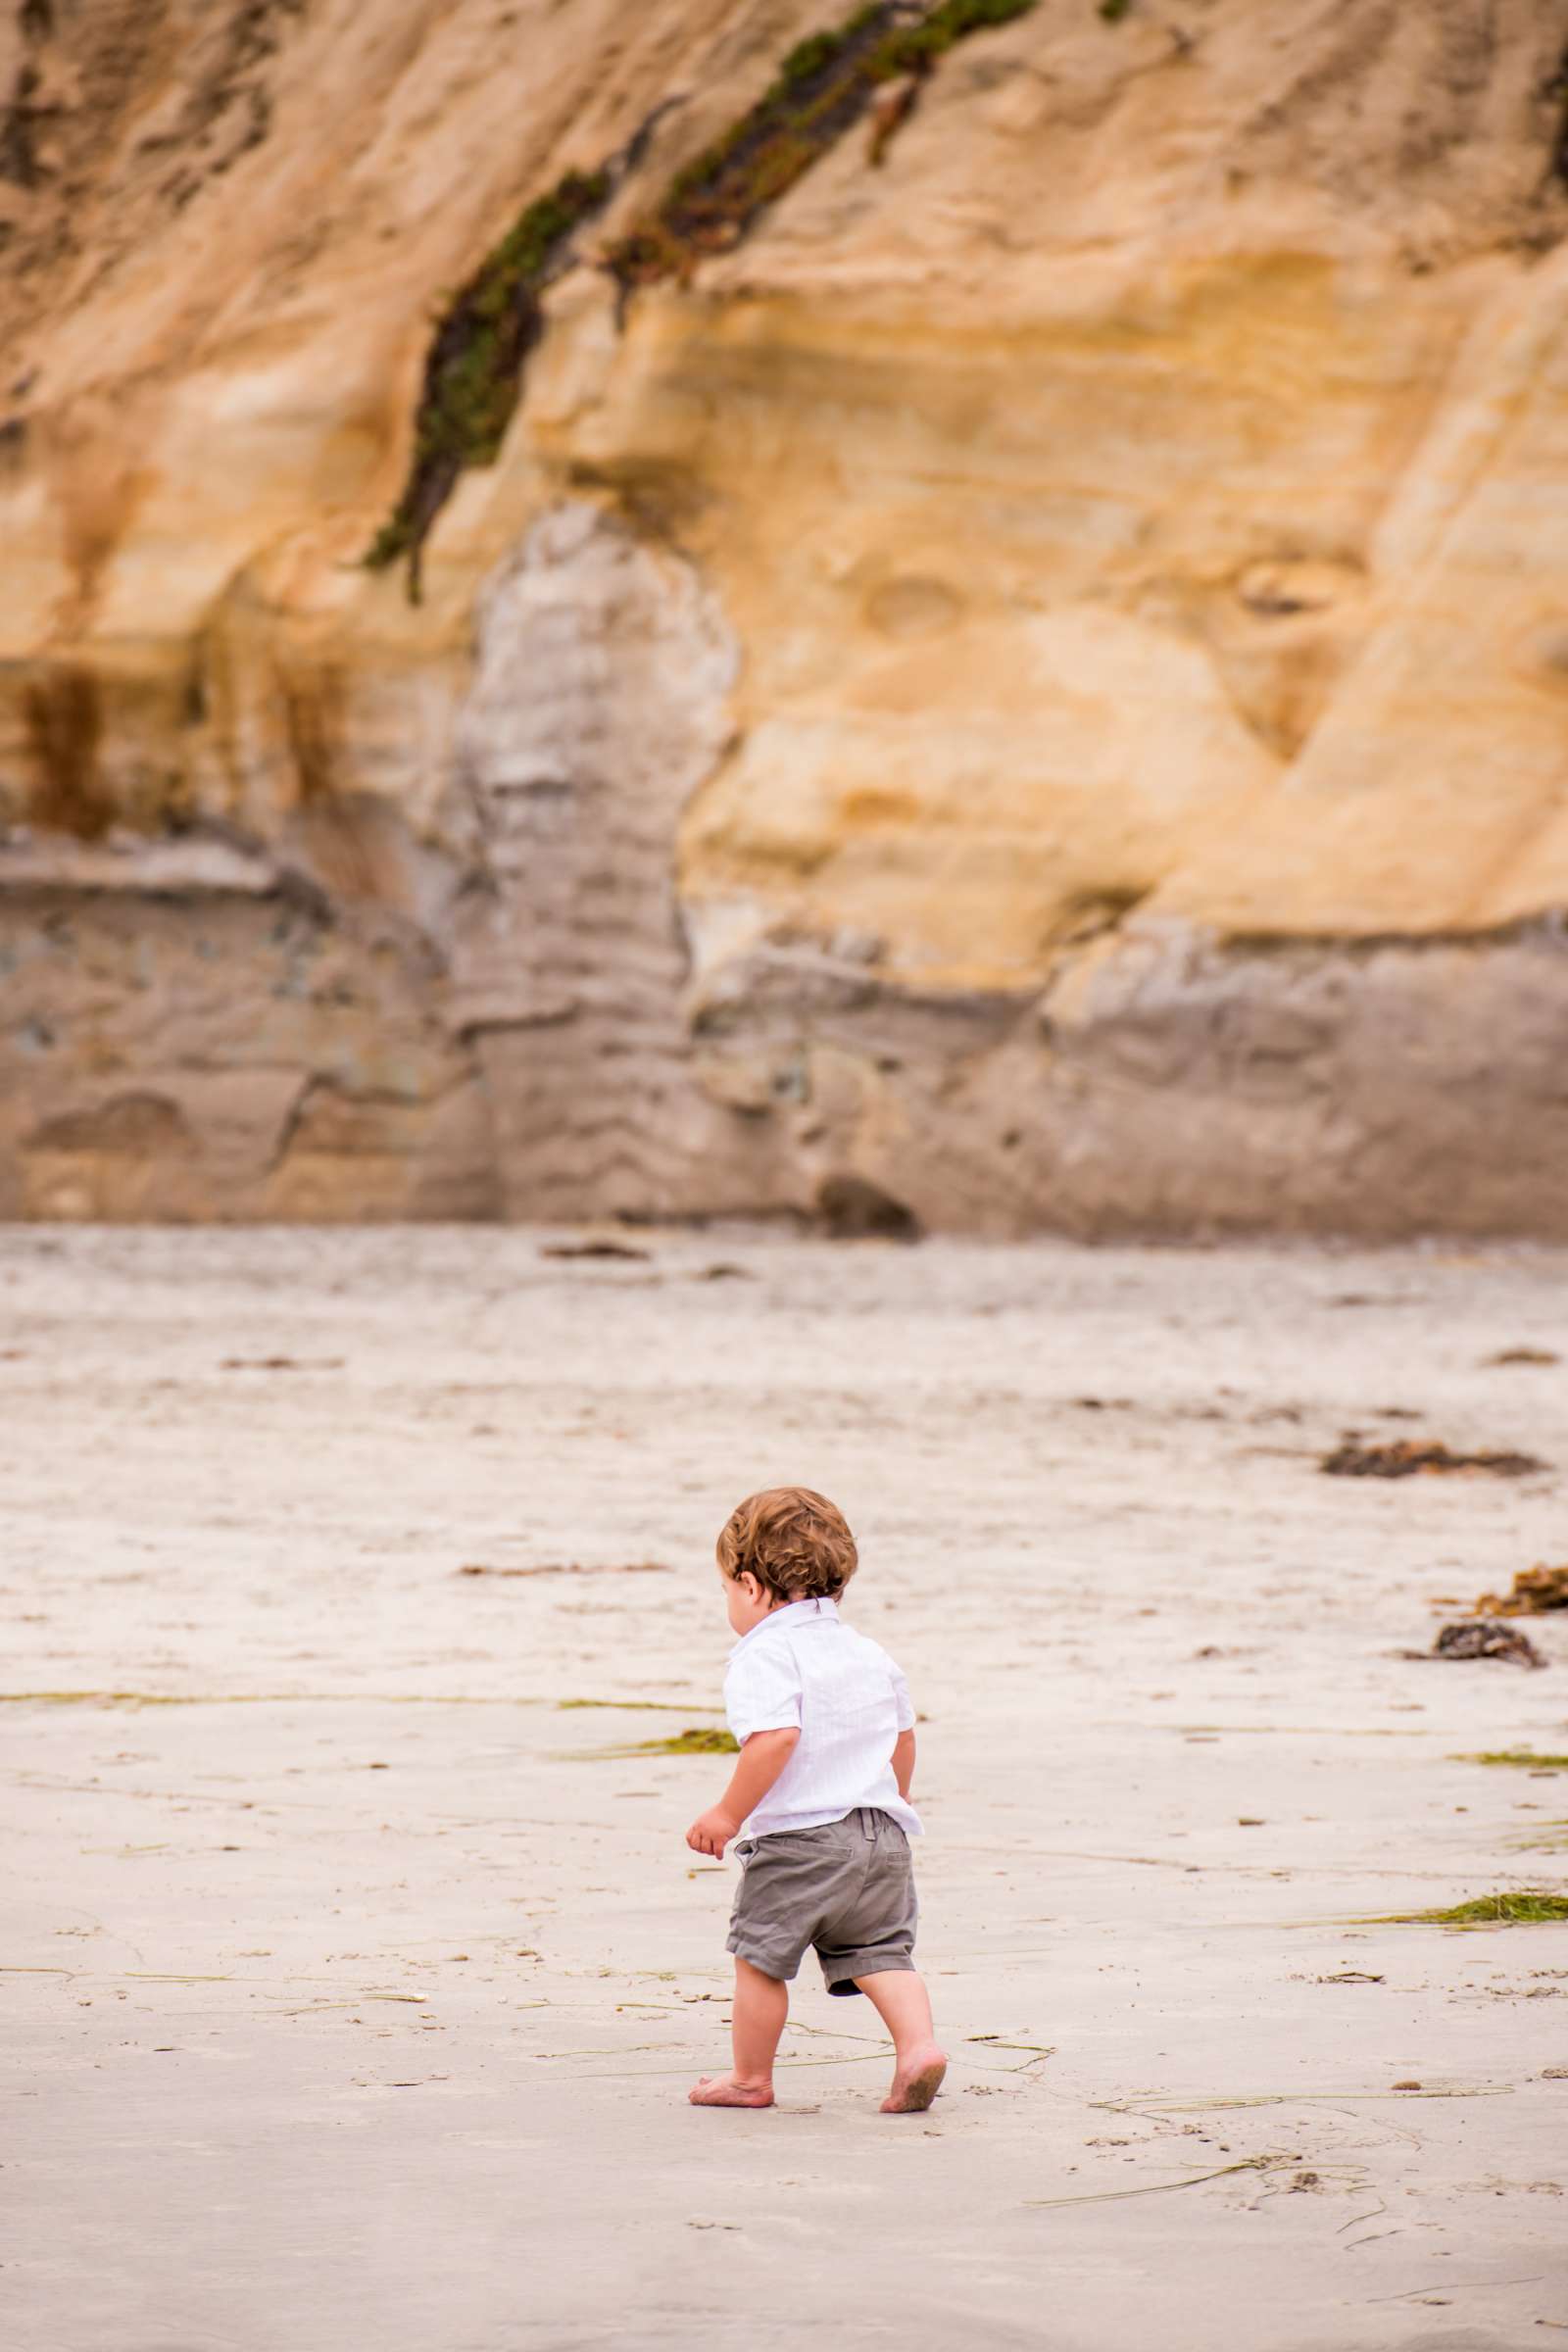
(264, 1053)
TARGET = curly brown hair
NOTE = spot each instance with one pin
(795, 1543)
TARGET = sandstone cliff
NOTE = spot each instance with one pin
(989, 643)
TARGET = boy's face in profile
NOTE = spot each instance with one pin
(745, 1600)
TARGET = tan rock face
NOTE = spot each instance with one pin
(1036, 683)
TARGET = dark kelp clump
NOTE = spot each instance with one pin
(1486, 1638)
(1417, 1457)
(594, 1249)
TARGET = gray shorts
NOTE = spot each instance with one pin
(846, 1888)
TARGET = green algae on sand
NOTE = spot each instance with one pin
(697, 1741)
(1528, 1906)
(1523, 1760)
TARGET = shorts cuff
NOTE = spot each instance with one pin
(840, 1973)
(780, 1964)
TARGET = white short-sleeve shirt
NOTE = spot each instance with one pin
(804, 1665)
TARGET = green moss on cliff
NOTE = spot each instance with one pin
(473, 375)
(823, 88)
(920, 46)
(826, 85)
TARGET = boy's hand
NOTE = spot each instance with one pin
(712, 1832)
(763, 1756)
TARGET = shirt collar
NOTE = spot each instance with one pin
(790, 1613)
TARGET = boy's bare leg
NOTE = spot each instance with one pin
(761, 2005)
(903, 2005)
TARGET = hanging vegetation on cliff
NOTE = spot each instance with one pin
(474, 374)
(826, 85)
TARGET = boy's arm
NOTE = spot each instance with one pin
(761, 1760)
(904, 1761)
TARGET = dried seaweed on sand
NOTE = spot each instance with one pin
(1534, 1591)
(1412, 1457)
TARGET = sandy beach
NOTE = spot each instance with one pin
(356, 1968)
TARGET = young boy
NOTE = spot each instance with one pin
(821, 1792)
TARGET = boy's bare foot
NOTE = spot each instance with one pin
(916, 2080)
(723, 2090)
